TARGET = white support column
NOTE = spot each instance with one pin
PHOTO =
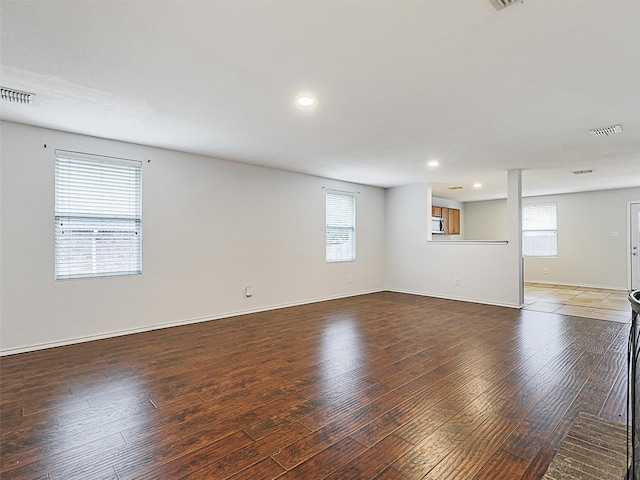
(514, 228)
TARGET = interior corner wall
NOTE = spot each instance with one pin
(210, 228)
(592, 240)
(488, 273)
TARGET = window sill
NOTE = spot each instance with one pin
(468, 242)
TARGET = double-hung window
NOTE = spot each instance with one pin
(98, 216)
(341, 226)
(540, 230)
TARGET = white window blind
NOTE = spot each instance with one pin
(341, 226)
(540, 230)
(98, 216)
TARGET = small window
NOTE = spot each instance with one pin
(98, 216)
(341, 226)
(540, 230)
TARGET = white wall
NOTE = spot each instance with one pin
(588, 254)
(210, 227)
(486, 220)
(488, 273)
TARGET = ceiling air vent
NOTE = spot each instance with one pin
(16, 95)
(581, 172)
(500, 4)
(606, 131)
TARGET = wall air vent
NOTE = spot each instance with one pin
(455, 188)
(581, 172)
(17, 96)
(500, 4)
(606, 131)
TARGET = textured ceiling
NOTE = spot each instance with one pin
(398, 83)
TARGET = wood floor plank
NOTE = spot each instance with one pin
(445, 440)
(532, 433)
(374, 461)
(312, 444)
(267, 469)
(327, 461)
(615, 408)
(428, 420)
(188, 463)
(376, 430)
(502, 465)
(391, 474)
(78, 462)
(389, 386)
(475, 450)
(250, 454)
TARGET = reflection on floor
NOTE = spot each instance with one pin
(596, 303)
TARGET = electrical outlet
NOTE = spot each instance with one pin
(350, 279)
(545, 270)
(456, 282)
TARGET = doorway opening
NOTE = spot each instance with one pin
(634, 248)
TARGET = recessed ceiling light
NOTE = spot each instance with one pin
(306, 101)
(433, 163)
(477, 185)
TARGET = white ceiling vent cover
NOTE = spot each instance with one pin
(16, 95)
(500, 4)
(606, 131)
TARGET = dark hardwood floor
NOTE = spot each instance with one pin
(385, 386)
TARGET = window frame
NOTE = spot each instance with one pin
(98, 205)
(350, 228)
(532, 252)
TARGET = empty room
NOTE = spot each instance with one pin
(260, 239)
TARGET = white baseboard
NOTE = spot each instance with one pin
(576, 285)
(460, 299)
(177, 323)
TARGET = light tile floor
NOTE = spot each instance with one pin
(596, 303)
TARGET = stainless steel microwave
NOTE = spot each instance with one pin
(437, 225)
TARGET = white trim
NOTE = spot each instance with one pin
(96, 157)
(576, 285)
(461, 299)
(176, 323)
(468, 242)
(629, 242)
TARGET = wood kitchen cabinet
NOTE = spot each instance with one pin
(451, 217)
(452, 222)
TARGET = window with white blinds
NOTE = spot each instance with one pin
(341, 226)
(540, 230)
(98, 216)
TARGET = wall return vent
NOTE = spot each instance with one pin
(16, 96)
(500, 4)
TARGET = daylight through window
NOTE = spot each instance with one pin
(341, 226)
(540, 230)
(98, 216)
